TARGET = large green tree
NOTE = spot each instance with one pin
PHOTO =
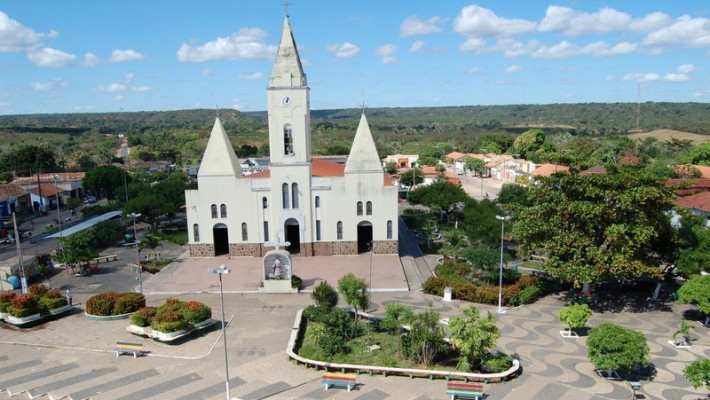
(612, 347)
(439, 195)
(696, 290)
(30, 158)
(355, 292)
(693, 245)
(105, 180)
(474, 336)
(76, 249)
(698, 373)
(612, 226)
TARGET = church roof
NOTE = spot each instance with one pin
(322, 168)
(363, 153)
(219, 158)
(287, 67)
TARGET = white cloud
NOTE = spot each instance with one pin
(513, 69)
(52, 58)
(61, 82)
(128, 78)
(416, 46)
(389, 60)
(641, 77)
(686, 69)
(206, 72)
(346, 49)
(474, 45)
(118, 98)
(513, 48)
(566, 49)
(650, 22)
(414, 26)
(671, 77)
(569, 68)
(125, 55)
(90, 60)
(140, 89)
(474, 71)
(476, 21)
(684, 31)
(561, 50)
(246, 44)
(113, 87)
(571, 22)
(386, 50)
(603, 50)
(504, 82)
(16, 37)
(39, 86)
(254, 76)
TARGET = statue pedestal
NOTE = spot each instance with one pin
(277, 286)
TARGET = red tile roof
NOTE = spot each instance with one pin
(598, 169)
(549, 169)
(10, 190)
(700, 201)
(61, 177)
(47, 190)
(321, 168)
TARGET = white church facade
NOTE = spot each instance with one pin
(318, 206)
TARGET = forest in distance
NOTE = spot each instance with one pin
(84, 139)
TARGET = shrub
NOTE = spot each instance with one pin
(128, 302)
(171, 304)
(494, 363)
(195, 312)
(23, 305)
(296, 282)
(169, 321)
(325, 295)
(101, 304)
(143, 317)
(38, 290)
(453, 269)
(48, 303)
(5, 299)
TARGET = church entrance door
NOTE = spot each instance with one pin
(221, 239)
(293, 235)
(364, 237)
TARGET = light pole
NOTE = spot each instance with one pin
(135, 216)
(59, 217)
(500, 279)
(221, 270)
(369, 294)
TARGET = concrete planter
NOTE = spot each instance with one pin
(107, 317)
(22, 320)
(139, 330)
(60, 310)
(168, 336)
(2, 315)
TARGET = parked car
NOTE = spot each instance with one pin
(89, 199)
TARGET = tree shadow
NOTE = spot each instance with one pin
(640, 374)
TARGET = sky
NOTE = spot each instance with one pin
(111, 56)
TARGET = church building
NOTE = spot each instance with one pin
(316, 206)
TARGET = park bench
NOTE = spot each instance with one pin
(464, 390)
(108, 258)
(129, 348)
(338, 379)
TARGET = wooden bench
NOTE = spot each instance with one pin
(128, 348)
(108, 258)
(465, 390)
(338, 379)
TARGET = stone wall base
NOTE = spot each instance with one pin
(201, 250)
(307, 249)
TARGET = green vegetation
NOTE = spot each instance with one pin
(696, 290)
(575, 316)
(614, 348)
(172, 316)
(698, 373)
(112, 303)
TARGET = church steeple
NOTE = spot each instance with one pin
(287, 70)
(363, 153)
(219, 158)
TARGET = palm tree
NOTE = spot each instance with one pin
(455, 243)
(681, 337)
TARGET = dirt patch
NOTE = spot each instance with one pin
(664, 135)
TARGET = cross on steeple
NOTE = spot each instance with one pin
(286, 4)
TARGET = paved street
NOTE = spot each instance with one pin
(72, 356)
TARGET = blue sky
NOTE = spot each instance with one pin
(101, 56)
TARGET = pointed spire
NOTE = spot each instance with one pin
(288, 70)
(219, 158)
(363, 153)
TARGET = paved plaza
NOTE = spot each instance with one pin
(72, 357)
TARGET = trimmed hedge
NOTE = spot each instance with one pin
(143, 317)
(23, 305)
(172, 316)
(112, 303)
(6, 299)
(526, 290)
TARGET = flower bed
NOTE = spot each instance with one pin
(526, 290)
(114, 305)
(21, 309)
(171, 320)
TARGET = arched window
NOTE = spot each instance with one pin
(368, 208)
(288, 140)
(264, 203)
(389, 229)
(284, 195)
(214, 210)
(317, 201)
(245, 236)
(223, 211)
(340, 230)
(359, 208)
(196, 232)
(294, 195)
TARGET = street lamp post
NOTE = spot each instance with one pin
(369, 297)
(221, 270)
(59, 217)
(500, 278)
(135, 216)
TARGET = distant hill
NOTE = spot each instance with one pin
(663, 135)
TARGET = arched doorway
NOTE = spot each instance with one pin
(293, 235)
(364, 236)
(221, 239)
